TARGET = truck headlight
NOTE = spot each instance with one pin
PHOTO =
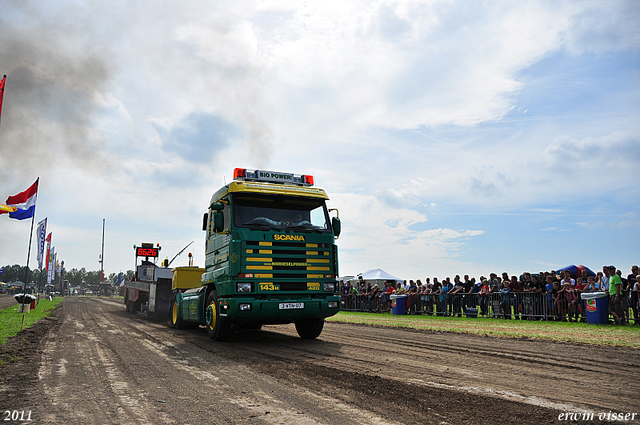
(243, 287)
(244, 307)
(329, 287)
(332, 304)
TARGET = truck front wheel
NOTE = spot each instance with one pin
(309, 328)
(217, 329)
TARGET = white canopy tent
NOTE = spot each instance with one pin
(344, 279)
(377, 277)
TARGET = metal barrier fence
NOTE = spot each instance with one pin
(514, 305)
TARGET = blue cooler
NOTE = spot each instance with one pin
(597, 304)
(399, 304)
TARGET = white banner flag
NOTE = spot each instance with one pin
(42, 233)
(51, 269)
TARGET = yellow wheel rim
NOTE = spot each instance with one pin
(211, 311)
(174, 313)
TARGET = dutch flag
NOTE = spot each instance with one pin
(25, 202)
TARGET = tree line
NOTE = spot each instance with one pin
(76, 277)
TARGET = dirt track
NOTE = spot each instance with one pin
(95, 363)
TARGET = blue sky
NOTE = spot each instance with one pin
(455, 137)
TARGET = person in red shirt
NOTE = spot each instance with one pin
(485, 290)
(386, 296)
(516, 292)
(581, 285)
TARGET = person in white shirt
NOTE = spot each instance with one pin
(604, 280)
(568, 279)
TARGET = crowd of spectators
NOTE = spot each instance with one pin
(531, 296)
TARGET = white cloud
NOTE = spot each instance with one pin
(377, 235)
(396, 106)
(604, 26)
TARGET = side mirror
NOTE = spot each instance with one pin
(336, 225)
(205, 220)
(218, 222)
(217, 207)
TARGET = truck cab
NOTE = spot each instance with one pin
(271, 257)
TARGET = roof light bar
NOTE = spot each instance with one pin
(272, 177)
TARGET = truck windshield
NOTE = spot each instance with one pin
(280, 212)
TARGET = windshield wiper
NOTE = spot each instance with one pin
(305, 228)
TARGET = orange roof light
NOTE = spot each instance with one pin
(239, 172)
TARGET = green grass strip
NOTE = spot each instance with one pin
(583, 333)
(11, 320)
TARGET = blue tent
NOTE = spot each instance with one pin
(576, 271)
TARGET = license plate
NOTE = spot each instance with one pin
(290, 306)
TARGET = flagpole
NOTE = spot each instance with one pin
(26, 272)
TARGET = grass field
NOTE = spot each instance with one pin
(11, 320)
(584, 333)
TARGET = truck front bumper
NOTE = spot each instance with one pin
(282, 310)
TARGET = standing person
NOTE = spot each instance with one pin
(444, 297)
(556, 295)
(494, 283)
(633, 297)
(516, 292)
(373, 298)
(527, 298)
(505, 305)
(344, 295)
(383, 298)
(567, 278)
(604, 279)
(551, 310)
(625, 295)
(422, 291)
(435, 290)
(537, 293)
(428, 302)
(472, 295)
(636, 295)
(467, 287)
(456, 296)
(412, 297)
(448, 306)
(579, 304)
(592, 286)
(615, 296)
(584, 275)
(569, 302)
(496, 286)
(485, 290)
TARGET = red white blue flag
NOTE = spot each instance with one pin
(25, 202)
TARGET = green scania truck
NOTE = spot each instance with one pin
(271, 258)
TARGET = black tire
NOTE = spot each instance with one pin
(129, 305)
(217, 329)
(176, 320)
(309, 328)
